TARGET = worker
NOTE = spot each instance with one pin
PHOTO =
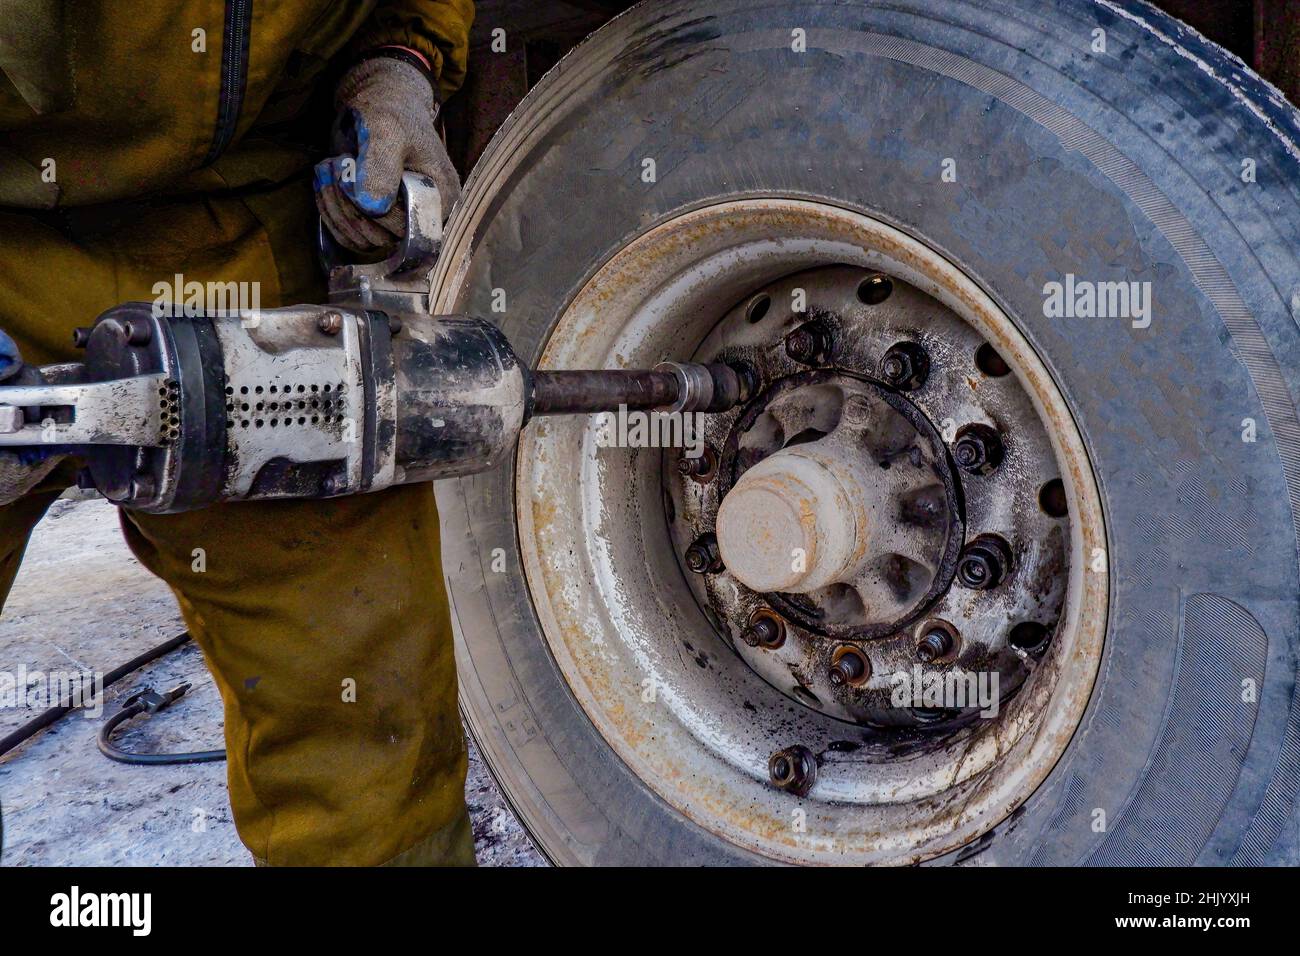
(181, 139)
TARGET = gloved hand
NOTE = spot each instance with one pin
(386, 119)
(20, 472)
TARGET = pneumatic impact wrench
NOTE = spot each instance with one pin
(172, 412)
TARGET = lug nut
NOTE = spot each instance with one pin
(701, 468)
(80, 337)
(692, 467)
(984, 563)
(849, 666)
(905, 366)
(765, 630)
(703, 556)
(331, 323)
(793, 769)
(937, 643)
(978, 449)
(810, 343)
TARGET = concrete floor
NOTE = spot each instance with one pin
(82, 602)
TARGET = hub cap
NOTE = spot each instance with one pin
(837, 486)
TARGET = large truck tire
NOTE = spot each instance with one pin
(700, 178)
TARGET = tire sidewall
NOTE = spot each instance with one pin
(1202, 558)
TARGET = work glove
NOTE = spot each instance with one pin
(386, 113)
(20, 471)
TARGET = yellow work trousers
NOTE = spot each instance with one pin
(325, 623)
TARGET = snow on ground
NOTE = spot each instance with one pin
(82, 602)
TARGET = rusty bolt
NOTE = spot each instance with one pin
(331, 323)
(978, 449)
(793, 769)
(765, 630)
(701, 468)
(935, 644)
(984, 563)
(905, 366)
(703, 556)
(849, 666)
(809, 343)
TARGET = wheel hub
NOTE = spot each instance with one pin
(840, 507)
(697, 679)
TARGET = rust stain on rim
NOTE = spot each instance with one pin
(991, 772)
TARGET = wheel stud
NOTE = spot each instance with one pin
(849, 666)
(702, 468)
(809, 343)
(937, 643)
(984, 563)
(905, 366)
(703, 557)
(765, 630)
(978, 449)
(793, 769)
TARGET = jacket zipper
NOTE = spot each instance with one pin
(234, 74)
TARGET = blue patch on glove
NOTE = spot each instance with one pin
(10, 361)
(357, 135)
(324, 175)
